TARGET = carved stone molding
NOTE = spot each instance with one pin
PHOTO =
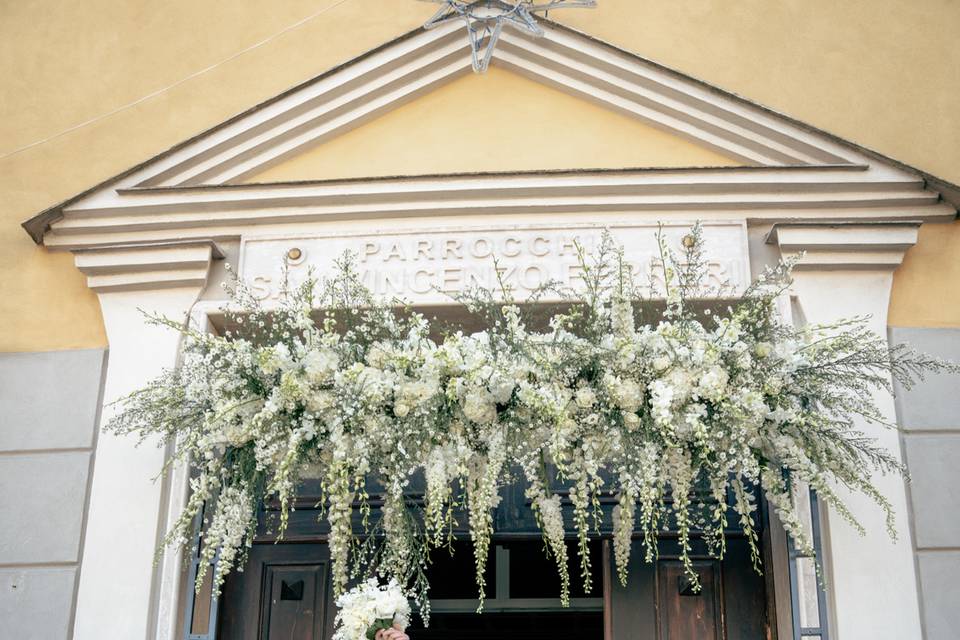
(871, 246)
(160, 265)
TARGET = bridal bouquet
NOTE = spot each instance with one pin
(370, 607)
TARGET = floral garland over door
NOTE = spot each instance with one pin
(357, 389)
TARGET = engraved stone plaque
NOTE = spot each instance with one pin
(426, 266)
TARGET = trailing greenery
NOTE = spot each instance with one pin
(356, 389)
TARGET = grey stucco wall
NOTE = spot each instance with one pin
(929, 415)
(49, 404)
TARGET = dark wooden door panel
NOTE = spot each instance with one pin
(746, 615)
(686, 613)
(284, 593)
(295, 607)
(657, 603)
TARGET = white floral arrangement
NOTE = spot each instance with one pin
(369, 608)
(736, 403)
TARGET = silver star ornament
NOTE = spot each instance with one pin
(485, 20)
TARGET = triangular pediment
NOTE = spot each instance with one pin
(496, 121)
(560, 101)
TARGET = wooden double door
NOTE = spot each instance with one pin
(285, 593)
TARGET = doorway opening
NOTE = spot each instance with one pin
(522, 596)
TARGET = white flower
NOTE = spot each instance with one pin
(661, 363)
(320, 364)
(479, 406)
(782, 416)
(320, 401)
(238, 434)
(585, 397)
(275, 358)
(763, 349)
(413, 394)
(365, 605)
(621, 316)
(661, 401)
(626, 393)
(773, 385)
(501, 388)
(377, 357)
(682, 381)
(713, 383)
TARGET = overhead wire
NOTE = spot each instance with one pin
(154, 94)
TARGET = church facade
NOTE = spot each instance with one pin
(425, 171)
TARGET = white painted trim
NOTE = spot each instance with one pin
(816, 172)
(153, 266)
(168, 603)
(873, 588)
(845, 246)
(150, 216)
(127, 506)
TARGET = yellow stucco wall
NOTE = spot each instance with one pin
(926, 287)
(879, 72)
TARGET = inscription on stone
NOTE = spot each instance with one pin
(427, 266)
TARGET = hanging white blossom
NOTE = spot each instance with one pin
(734, 405)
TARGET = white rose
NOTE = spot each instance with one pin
(763, 349)
(320, 365)
(479, 407)
(713, 383)
(319, 401)
(627, 394)
(585, 397)
(661, 363)
(501, 389)
(377, 357)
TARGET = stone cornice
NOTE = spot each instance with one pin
(164, 214)
(865, 246)
(161, 265)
